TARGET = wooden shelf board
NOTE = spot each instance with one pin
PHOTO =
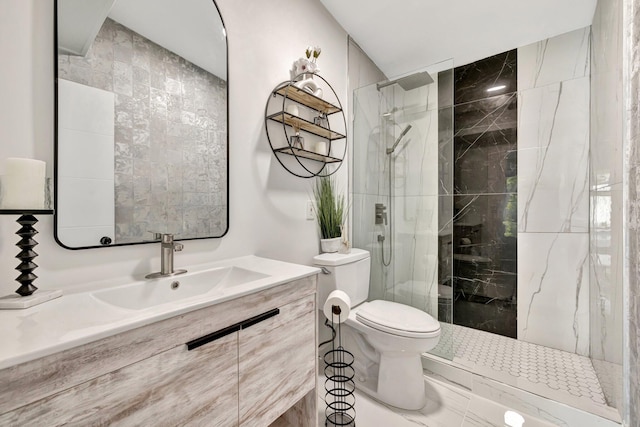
(307, 126)
(297, 152)
(306, 98)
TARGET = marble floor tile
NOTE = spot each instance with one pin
(447, 406)
(483, 412)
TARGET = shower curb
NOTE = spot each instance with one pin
(556, 412)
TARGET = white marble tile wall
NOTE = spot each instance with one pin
(606, 198)
(416, 252)
(365, 236)
(553, 290)
(553, 155)
(631, 81)
(553, 191)
(560, 58)
(369, 164)
(415, 160)
(365, 187)
(605, 279)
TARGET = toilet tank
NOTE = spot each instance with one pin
(347, 272)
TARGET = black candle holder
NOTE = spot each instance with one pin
(26, 244)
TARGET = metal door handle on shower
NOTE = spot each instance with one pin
(381, 214)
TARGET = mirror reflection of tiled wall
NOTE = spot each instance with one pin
(170, 135)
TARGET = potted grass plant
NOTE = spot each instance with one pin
(330, 210)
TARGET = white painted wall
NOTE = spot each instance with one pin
(267, 204)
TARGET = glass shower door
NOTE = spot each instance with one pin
(402, 194)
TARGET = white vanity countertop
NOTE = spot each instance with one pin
(79, 317)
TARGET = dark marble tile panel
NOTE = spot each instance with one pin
(484, 231)
(486, 163)
(484, 263)
(473, 80)
(486, 115)
(495, 316)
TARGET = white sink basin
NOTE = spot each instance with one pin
(150, 293)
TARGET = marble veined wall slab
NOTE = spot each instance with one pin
(564, 57)
(553, 290)
(472, 80)
(553, 192)
(415, 160)
(416, 252)
(606, 251)
(607, 199)
(553, 156)
(631, 26)
(369, 162)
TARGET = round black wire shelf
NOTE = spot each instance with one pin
(302, 161)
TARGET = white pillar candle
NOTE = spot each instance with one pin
(292, 109)
(23, 184)
(321, 148)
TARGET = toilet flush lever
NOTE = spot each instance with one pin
(325, 270)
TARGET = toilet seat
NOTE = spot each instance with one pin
(398, 319)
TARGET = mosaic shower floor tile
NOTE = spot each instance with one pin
(554, 374)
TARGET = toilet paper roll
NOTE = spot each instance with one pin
(337, 306)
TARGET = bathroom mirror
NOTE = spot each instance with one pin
(141, 121)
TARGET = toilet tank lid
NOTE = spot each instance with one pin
(333, 259)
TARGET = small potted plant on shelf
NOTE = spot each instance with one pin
(330, 210)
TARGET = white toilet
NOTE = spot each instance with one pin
(386, 338)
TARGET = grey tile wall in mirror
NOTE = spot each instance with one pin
(142, 128)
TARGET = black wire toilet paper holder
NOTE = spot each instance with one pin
(339, 384)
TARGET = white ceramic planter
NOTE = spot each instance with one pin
(330, 245)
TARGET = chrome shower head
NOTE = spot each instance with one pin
(395, 144)
(409, 82)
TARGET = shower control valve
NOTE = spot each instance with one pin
(381, 214)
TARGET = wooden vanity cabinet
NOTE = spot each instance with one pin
(176, 387)
(249, 376)
(277, 360)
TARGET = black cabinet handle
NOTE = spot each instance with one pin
(199, 342)
(259, 318)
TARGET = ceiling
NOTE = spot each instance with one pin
(403, 36)
(190, 28)
(179, 26)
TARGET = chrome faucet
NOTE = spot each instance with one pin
(167, 248)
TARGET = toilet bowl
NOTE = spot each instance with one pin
(386, 338)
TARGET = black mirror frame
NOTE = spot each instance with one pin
(55, 149)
